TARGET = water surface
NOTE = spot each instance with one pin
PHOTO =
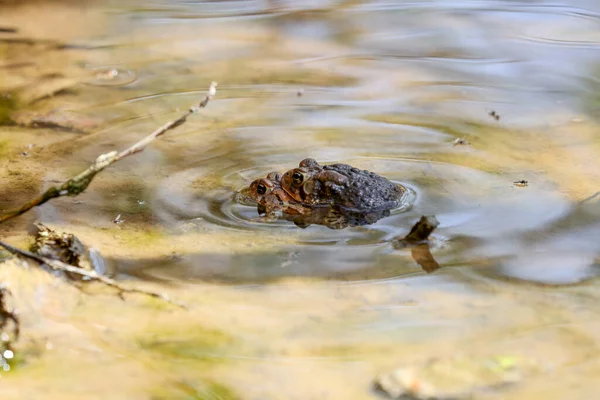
(286, 313)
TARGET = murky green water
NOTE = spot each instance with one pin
(281, 312)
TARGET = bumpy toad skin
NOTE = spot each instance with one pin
(340, 185)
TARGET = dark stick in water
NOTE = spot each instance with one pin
(91, 275)
(79, 183)
(417, 240)
(422, 229)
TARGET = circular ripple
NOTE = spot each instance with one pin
(482, 216)
(177, 200)
(471, 202)
(109, 76)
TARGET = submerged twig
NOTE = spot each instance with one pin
(91, 275)
(589, 198)
(79, 183)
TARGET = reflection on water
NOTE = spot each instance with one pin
(386, 86)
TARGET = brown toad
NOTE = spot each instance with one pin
(270, 197)
(342, 186)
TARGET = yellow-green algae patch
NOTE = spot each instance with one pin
(5, 147)
(205, 390)
(8, 105)
(105, 333)
(192, 343)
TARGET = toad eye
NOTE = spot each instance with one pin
(261, 188)
(297, 178)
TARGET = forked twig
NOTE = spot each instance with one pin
(79, 183)
(91, 275)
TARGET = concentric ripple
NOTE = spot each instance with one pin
(465, 199)
(109, 76)
(176, 200)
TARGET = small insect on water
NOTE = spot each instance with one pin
(521, 183)
(460, 142)
(118, 220)
(494, 115)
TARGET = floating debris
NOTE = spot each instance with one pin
(494, 115)
(421, 230)
(521, 183)
(118, 219)
(454, 378)
(418, 241)
(61, 246)
(460, 142)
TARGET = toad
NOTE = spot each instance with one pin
(270, 197)
(341, 186)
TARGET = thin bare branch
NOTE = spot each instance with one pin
(79, 183)
(91, 275)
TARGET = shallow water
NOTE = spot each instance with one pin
(281, 312)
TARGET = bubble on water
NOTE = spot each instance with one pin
(8, 354)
